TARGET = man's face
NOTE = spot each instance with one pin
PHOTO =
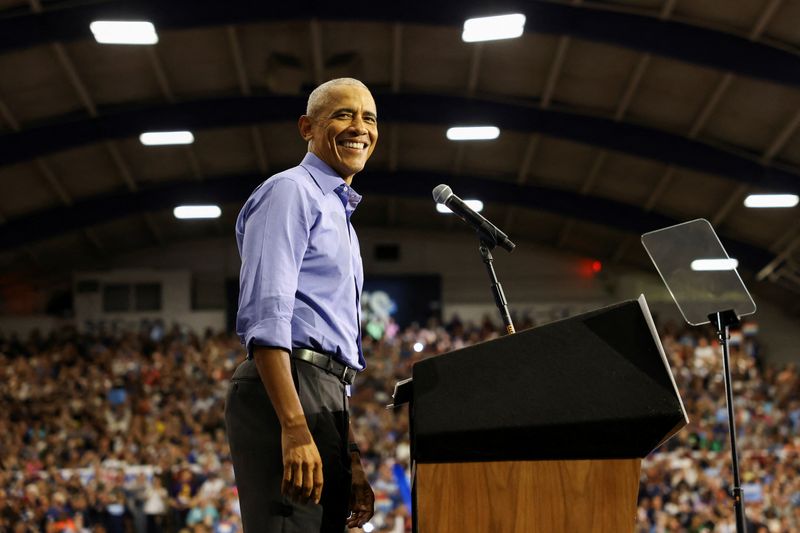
(344, 131)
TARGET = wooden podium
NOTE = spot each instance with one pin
(528, 496)
(543, 430)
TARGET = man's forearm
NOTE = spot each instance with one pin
(355, 456)
(302, 465)
(276, 375)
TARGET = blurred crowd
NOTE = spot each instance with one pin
(685, 484)
(125, 432)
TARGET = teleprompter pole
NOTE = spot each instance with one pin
(722, 321)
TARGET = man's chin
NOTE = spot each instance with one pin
(349, 170)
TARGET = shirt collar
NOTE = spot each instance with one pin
(329, 181)
(349, 197)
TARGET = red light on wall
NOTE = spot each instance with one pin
(589, 268)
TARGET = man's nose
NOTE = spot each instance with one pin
(358, 124)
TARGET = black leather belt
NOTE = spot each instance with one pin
(345, 374)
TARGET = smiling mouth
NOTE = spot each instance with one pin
(354, 145)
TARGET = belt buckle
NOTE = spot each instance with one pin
(343, 377)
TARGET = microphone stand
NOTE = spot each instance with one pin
(497, 289)
(722, 321)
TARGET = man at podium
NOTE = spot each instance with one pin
(296, 463)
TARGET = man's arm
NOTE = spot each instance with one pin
(276, 226)
(302, 465)
(362, 499)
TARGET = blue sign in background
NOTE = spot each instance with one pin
(411, 299)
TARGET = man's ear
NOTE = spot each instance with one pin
(305, 126)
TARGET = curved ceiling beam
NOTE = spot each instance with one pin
(236, 188)
(677, 40)
(443, 110)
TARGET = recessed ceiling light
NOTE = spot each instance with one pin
(706, 265)
(493, 28)
(475, 205)
(184, 212)
(771, 200)
(161, 138)
(124, 32)
(473, 133)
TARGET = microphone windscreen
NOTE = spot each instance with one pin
(441, 193)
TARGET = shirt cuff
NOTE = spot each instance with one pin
(274, 332)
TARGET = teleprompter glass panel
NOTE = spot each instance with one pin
(697, 271)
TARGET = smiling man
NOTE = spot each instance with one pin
(297, 466)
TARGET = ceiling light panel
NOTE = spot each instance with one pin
(771, 200)
(473, 133)
(493, 28)
(188, 212)
(162, 138)
(124, 32)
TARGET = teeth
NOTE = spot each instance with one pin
(350, 144)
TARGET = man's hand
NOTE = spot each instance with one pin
(302, 465)
(362, 499)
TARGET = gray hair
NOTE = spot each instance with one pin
(319, 95)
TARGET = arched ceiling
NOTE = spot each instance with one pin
(616, 117)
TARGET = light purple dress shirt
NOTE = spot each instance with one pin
(301, 276)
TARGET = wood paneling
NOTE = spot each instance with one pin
(597, 496)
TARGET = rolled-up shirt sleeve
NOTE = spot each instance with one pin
(276, 226)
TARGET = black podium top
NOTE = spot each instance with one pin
(594, 386)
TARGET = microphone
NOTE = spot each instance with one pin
(487, 231)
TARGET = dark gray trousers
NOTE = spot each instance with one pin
(254, 435)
